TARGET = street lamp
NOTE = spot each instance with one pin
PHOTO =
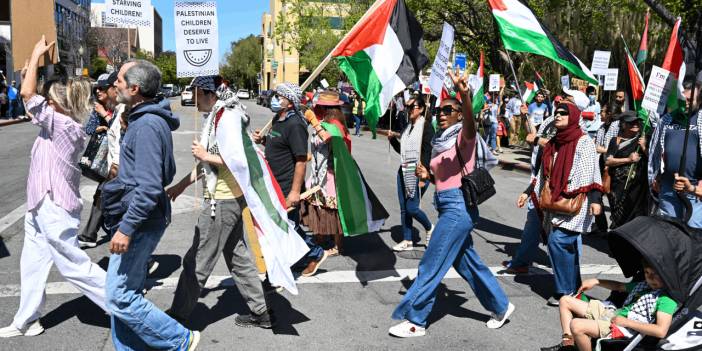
(80, 52)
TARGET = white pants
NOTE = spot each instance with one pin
(51, 236)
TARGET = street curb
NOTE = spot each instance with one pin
(10, 122)
(508, 165)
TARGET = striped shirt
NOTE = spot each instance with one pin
(53, 168)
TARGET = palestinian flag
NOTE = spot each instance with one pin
(280, 244)
(637, 85)
(477, 86)
(521, 31)
(382, 55)
(538, 81)
(360, 211)
(530, 90)
(674, 62)
(643, 46)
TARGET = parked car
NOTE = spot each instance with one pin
(186, 97)
(243, 94)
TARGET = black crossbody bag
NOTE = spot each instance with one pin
(477, 186)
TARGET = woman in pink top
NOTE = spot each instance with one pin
(53, 200)
(451, 243)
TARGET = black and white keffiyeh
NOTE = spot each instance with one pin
(410, 147)
(644, 309)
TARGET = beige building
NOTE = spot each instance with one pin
(280, 63)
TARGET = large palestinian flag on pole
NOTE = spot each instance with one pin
(280, 244)
(382, 55)
(674, 62)
(478, 87)
(521, 31)
(360, 211)
(637, 85)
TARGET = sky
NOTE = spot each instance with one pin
(236, 19)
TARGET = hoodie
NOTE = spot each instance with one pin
(147, 166)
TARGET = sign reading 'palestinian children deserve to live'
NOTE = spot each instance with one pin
(129, 12)
(197, 39)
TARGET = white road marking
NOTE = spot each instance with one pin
(334, 277)
(12, 217)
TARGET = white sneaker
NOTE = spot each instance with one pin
(34, 329)
(497, 321)
(429, 232)
(407, 329)
(404, 245)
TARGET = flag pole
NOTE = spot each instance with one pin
(532, 129)
(322, 65)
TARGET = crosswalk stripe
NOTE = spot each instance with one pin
(333, 277)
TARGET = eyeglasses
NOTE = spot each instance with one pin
(561, 113)
(447, 110)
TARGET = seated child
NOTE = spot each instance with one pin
(647, 310)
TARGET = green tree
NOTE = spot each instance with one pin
(98, 66)
(243, 62)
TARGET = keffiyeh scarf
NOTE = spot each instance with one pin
(410, 147)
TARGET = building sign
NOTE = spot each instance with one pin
(197, 39)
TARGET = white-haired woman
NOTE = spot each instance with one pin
(53, 200)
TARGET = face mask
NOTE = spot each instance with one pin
(275, 104)
(592, 98)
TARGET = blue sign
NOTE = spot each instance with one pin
(460, 61)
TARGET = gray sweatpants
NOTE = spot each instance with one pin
(222, 233)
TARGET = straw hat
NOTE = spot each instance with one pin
(329, 98)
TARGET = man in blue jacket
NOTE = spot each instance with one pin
(137, 211)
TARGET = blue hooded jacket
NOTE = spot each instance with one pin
(146, 167)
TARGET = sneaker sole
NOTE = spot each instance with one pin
(153, 268)
(411, 248)
(86, 244)
(510, 310)
(407, 336)
(34, 332)
(248, 325)
(195, 341)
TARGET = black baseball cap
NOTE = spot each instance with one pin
(106, 80)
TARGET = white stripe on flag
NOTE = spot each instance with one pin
(520, 16)
(386, 58)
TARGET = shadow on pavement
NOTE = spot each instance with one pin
(85, 310)
(371, 254)
(489, 226)
(510, 249)
(4, 252)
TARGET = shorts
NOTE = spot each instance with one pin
(598, 312)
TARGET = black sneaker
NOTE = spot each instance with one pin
(560, 347)
(264, 320)
(85, 242)
(269, 288)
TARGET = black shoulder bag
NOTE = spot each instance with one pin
(477, 186)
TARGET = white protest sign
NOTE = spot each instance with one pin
(657, 90)
(197, 39)
(611, 77)
(494, 82)
(129, 12)
(565, 82)
(438, 69)
(324, 83)
(406, 95)
(424, 80)
(474, 82)
(600, 61)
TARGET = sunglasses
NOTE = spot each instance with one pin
(561, 113)
(447, 110)
(411, 107)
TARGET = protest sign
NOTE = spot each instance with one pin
(26, 33)
(129, 12)
(197, 40)
(657, 90)
(438, 69)
(600, 62)
(424, 80)
(494, 82)
(565, 82)
(611, 77)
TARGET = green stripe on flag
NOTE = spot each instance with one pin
(256, 177)
(478, 100)
(350, 198)
(359, 69)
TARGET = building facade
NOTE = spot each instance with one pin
(150, 38)
(280, 63)
(72, 18)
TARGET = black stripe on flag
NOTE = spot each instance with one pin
(410, 34)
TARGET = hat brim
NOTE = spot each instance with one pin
(329, 103)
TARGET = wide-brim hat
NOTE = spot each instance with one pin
(329, 98)
(629, 116)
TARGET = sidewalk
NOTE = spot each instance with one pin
(514, 157)
(9, 122)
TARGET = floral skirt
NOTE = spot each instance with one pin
(321, 220)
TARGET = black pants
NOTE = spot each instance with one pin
(92, 227)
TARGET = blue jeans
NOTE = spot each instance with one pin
(451, 245)
(564, 252)
(409, 208)
(13, 110)
(316, 251)
(357, 122)
(491, 137)
(670, 205)
(530, 239)
(137, 324)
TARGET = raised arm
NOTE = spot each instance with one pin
(29, 81)
(461, 85)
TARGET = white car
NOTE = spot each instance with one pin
(243, 94)
(186, 97)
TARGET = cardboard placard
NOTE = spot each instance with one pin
(610, 82)
(129, 12)
(657, 90)
(197, 39)
(600, 61)
(438, 69)
(494, 82)
(26, 33)
(565, 82)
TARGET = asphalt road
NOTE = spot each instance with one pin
(347, 306)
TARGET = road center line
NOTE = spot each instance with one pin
(334, 277)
